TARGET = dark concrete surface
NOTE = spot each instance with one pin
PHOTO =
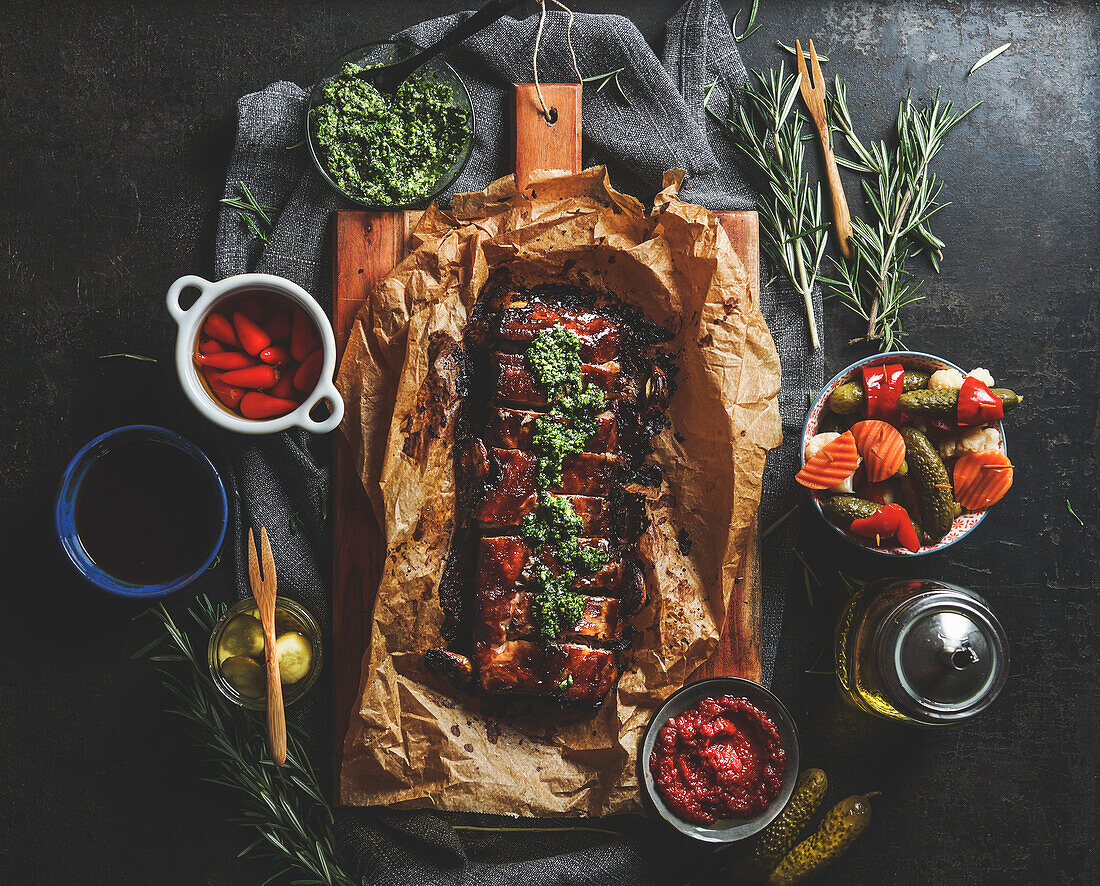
(117, 121)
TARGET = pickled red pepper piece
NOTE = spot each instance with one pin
(225, 360)
(217, 326)
(305, 379)
(882, 385)
(211, 346)
(255, 377)
(978, 405)
(276, 355)
(888, 521)
(252, 336)
(256, 405)
(303, 340)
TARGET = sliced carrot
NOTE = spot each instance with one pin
(982, 479)
(881, 447)
(834, 463)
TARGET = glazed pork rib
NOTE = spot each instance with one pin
(507, 580)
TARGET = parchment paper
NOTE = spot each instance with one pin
(415, 740)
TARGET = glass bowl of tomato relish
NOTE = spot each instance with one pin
(719, 759)
(820, 419)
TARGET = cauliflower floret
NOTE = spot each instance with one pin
(945, 380)
(818, 442)
(979, 440)
(981, 375)
(948, 447)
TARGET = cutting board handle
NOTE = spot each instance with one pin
(538, 143)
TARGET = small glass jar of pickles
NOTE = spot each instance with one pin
(236, 653)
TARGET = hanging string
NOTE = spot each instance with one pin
(551, 114)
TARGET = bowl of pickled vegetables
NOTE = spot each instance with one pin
(904, 453)
(236, 653)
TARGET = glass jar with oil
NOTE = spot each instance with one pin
(920, 651)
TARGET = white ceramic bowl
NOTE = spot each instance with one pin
(190, 324)
(929, 363)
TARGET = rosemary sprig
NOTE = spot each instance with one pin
(901, 194)
(751, 27)
(769, 131)
(282, 806)
(609, 77)
(247, 207)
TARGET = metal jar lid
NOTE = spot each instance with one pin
(943, 654)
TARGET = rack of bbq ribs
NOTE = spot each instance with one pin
(564, 390)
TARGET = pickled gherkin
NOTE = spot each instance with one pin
(943, 403)
(931, 484)
(778, 837)
(839, 829)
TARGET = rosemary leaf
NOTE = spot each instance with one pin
(1069, 508)
(138, 357)
(779, 522)
(805, 52)
(610, 77)
(988, 57)
(751, 27)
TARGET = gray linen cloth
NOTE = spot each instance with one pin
(281, 481)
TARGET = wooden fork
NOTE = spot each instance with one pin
(263, 589)
(813, 93)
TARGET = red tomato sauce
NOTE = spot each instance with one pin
(721, 759)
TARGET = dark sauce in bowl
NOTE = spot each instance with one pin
(147, 512)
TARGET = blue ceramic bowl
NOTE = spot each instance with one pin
(65, 520)
(964, 524)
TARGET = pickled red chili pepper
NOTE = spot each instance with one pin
(305, 379)
(303, 340)
(276, 355)
(256, 405)
(978, 405)
(254, 377)
(225, 360)
(217, 326)
(227, 394)
(887, 522)
(211, 346)
(882, 385)
(251, 334)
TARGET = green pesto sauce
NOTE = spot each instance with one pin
(554, 360)
(388, 150)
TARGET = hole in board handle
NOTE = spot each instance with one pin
(551, 116)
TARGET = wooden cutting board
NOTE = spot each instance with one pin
(367, 246)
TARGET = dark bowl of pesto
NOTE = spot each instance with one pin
(389, 152)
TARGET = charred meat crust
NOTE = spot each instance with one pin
(486, 589)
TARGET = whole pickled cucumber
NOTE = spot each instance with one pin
(848, 398)
(843, 509)
(778, 837)
(943, 403)
(839, 829)
(931, 484)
